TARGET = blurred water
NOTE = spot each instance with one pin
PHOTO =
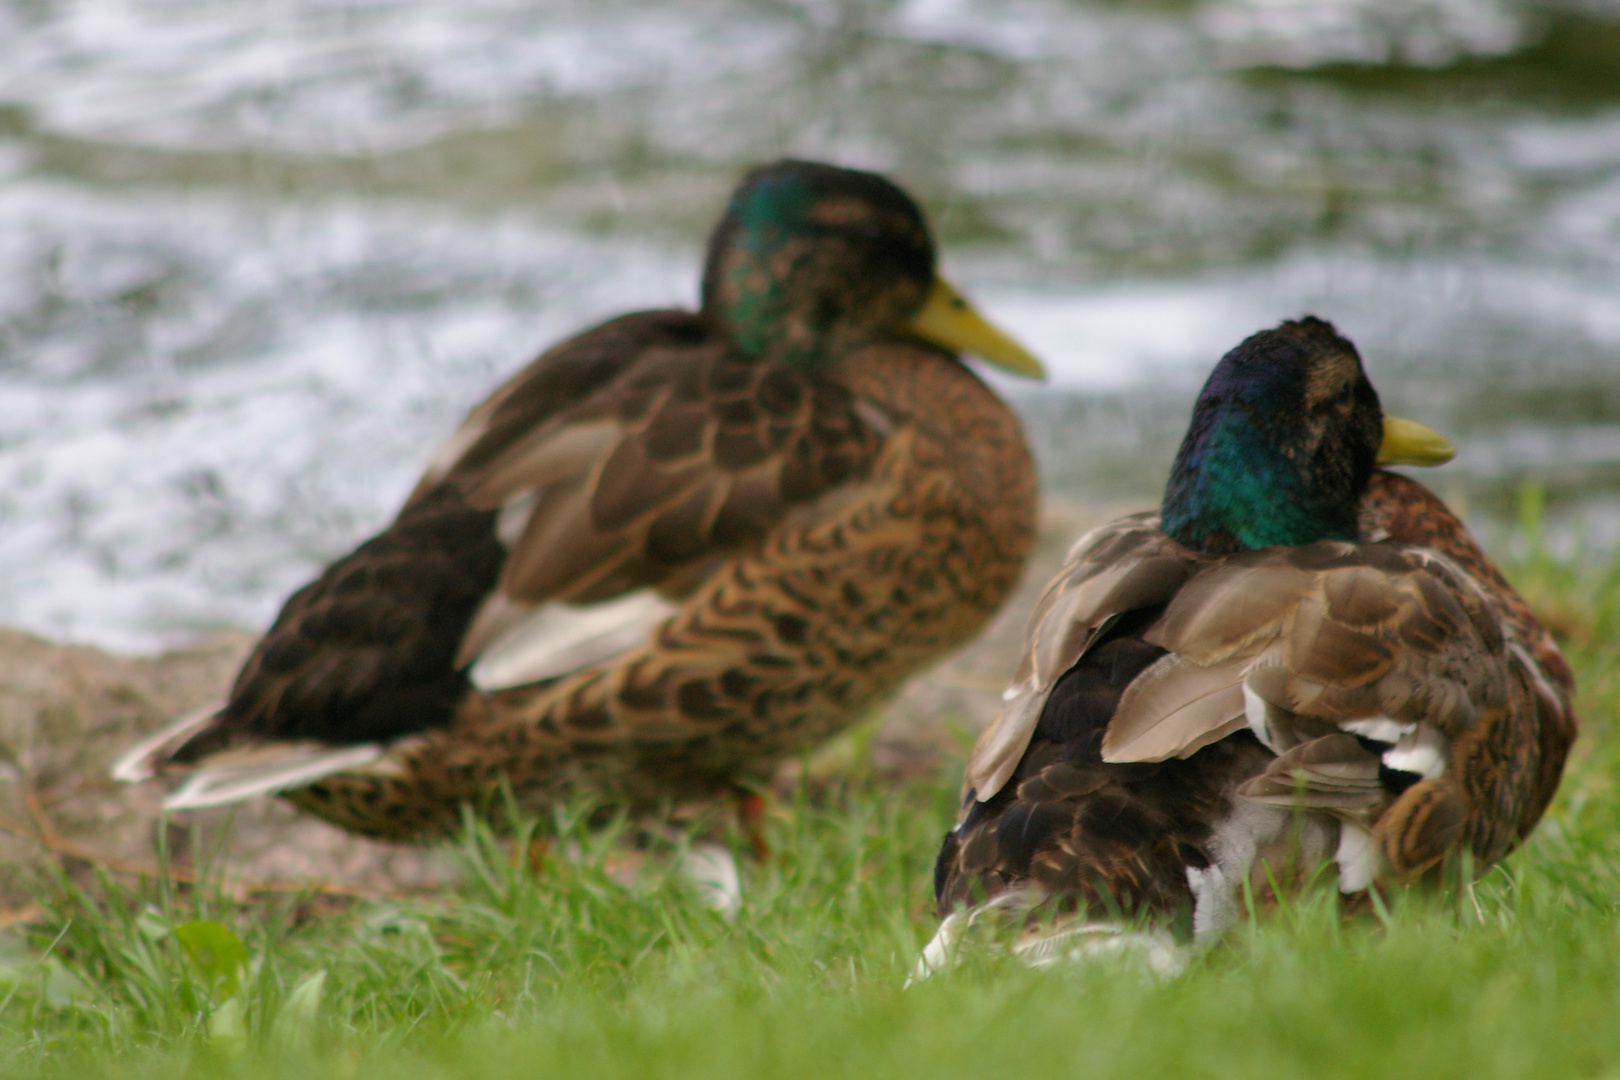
(256, 258)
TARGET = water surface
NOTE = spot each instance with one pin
(257, 258)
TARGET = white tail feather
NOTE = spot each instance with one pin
(561, 638)
(940, 952)
(140, 761)
(293, 765)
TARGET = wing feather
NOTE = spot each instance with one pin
(1348, 632)
(687, 452)
(1334, 773)
(1175, 708)
(1117, 568)
(1231, 609)
(564, 452)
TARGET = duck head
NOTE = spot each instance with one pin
(811, 261)
(1283, 440)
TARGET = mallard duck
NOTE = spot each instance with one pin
(669, 553)
(1300, 658)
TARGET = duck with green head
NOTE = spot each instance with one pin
(670, 552)
(1300, 658)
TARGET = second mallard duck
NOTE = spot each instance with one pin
(1301, 658)
(669, 553)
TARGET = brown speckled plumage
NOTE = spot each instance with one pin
(778, 649)
(1516, 757)
(750, 522)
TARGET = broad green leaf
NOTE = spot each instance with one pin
(218, 954)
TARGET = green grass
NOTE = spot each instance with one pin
(585, 969)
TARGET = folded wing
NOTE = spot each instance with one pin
(550, 532)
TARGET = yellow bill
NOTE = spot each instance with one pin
(948, 320)
(1407, 442)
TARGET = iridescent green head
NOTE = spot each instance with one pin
(1283, 440)
(811, 261)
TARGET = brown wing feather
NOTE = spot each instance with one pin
(1120, 567)
(549, 456)
(1356, 631)
(1334, 773)
(1234, 608)
(1373, 631)
(690, 450)
(555, 384)
(1175, 708)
